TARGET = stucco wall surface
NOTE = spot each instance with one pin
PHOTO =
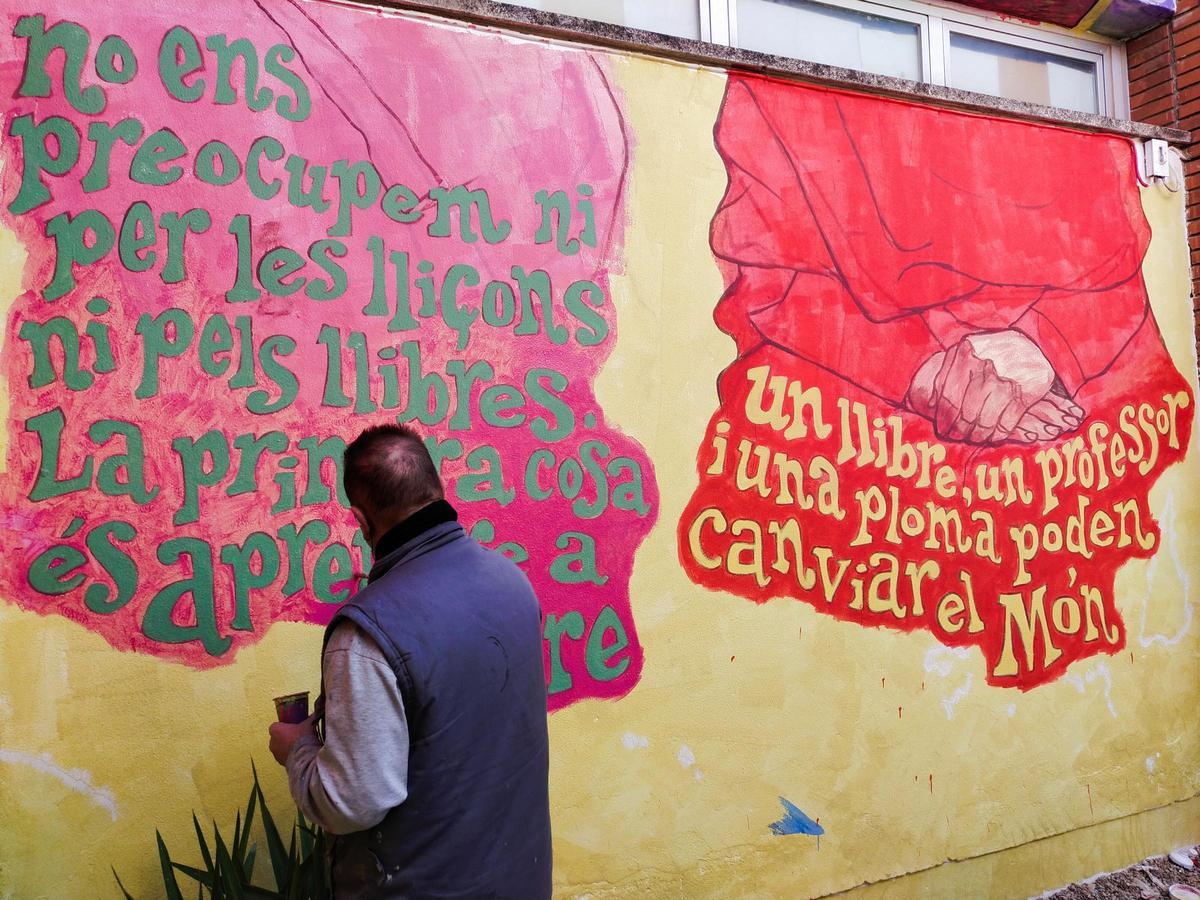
(847, 442)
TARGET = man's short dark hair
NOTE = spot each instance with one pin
(387, 468)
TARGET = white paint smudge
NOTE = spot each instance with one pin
(1096, 672)
(77, 780)
(939, 660)
(1012, 710)
(686, 757)
(635, 741)
(1170, 535)
(954, 699)
(1151, 762)
(698, 774)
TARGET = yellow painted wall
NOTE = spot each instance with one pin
(669, 791)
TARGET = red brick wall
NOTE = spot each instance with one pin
(1164, 89)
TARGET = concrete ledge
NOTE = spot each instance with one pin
(569, 28)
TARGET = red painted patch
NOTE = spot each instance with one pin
(862, 239)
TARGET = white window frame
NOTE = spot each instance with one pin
(937, 21)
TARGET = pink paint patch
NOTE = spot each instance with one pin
(190, 487)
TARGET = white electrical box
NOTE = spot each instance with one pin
(1157, 158)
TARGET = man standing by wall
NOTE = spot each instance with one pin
(433, 770)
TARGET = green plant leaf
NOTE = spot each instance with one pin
(128, 896)
(241, 856)
(301, 872)
(315, 877)
(170, 884)
(303, 880)
(248, 862)
(227, 872)
(208, 863)
(217, 892)
(306, 836)
(205, 878)
(237, 834)
(239, 851)
(280, 866)
(294, 886)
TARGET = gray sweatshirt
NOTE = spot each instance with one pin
(350, 782)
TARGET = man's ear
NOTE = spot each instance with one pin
(364, 524)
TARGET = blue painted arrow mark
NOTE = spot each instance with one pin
(795, 821)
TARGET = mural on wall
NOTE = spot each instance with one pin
(245, 244)
(932, 405)
(950, 399)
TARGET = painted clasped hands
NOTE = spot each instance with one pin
(993, 387)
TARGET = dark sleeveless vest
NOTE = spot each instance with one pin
(461, 628)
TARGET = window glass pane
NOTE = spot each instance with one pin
(990, 67)
(677, 17)
(826, 34)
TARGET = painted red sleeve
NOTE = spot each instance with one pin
(817, 319)
(1058, 324)
(914, 217)
(789, 286)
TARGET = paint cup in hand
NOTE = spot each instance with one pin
(292, 708)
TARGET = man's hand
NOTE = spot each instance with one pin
(992, 387)
(284, 736)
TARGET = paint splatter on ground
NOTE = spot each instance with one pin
(1149, 879)
(795, 822)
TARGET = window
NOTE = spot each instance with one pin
(846, 37)
(919, 40)
(941, 44)
(1007, 70)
